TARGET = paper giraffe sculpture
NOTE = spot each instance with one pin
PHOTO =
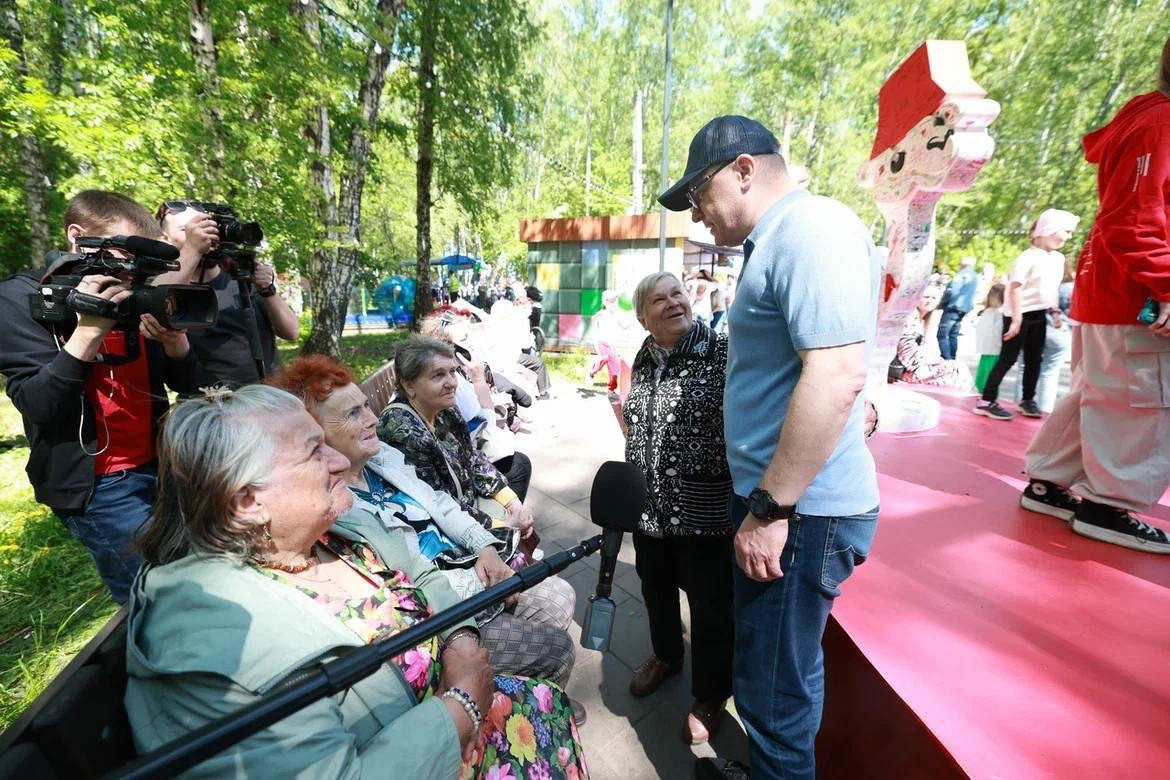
(931, 138)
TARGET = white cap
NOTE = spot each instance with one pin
(1054, 221)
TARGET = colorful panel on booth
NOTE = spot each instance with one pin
(594, 275)
(570, 252)
(548, 276)
(571, 327)
(549, 252)
(549, 324)
(569, 302)
(590, 302)
(594, 252)
(570, 276)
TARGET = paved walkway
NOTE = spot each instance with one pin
(624, 737)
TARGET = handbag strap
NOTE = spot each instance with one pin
(439, 444)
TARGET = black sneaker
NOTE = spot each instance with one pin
(720, 769)
(1049, 498)
(993, 410)
(1029, 409)
(1118, 526)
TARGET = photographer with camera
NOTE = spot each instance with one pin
(226, 353)
(86, 351)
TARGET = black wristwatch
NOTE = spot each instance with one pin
(764, 507)
(268, 291)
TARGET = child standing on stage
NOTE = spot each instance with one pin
(989, 334)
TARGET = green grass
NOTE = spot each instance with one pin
(568, 368)
(363, 353)
(51, 599)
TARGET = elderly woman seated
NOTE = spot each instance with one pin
(530, 638)
(248, 580)
(920, 369)
(425, 427)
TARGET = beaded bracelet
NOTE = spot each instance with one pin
(469, 705)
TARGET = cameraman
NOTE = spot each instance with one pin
(225, 355)
(91, 426)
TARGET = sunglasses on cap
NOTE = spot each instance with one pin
(693, 194)
(177, 206)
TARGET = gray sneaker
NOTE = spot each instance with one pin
(993, 410)
(1030, 409)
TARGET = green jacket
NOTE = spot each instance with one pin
(206, 636)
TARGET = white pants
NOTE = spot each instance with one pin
(1108, 440)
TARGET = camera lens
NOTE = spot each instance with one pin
(241, 232)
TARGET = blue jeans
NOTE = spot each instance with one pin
(121, 503)
(779, 669)
(948, 332)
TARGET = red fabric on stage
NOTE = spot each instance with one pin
(1024, 649)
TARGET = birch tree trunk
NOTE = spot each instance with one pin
(32, 161)
(339, 203)
(201, 37)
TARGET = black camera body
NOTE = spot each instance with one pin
(175, 306)
(231, 229)
(237, 240)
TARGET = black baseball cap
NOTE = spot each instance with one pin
(719, 141)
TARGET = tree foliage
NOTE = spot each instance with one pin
(532, 110)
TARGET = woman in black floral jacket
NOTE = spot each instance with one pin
(425, 426)
(674, 432)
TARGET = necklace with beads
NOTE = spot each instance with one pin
(295, 568)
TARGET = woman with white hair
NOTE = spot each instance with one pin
(249, 580)
(674, 432)
(1033, 294)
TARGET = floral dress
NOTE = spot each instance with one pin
(528, 731)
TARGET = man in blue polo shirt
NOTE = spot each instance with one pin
(806, 499)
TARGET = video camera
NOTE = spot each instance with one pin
(175, 306)
(237, 240)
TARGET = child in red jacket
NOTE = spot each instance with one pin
(1108, 441)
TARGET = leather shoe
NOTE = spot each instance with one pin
(651, 674)
(703, 721)
(720, 769)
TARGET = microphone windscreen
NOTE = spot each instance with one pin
(618, 496)
(149, 247)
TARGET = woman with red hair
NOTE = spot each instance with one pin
(530, 636)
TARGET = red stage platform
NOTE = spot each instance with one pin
(983, 640)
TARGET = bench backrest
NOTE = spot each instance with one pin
(380, 387)
(77, 727)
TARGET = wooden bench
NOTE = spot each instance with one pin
(380, 387)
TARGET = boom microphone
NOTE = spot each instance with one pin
(135, 245)
(615, 503)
